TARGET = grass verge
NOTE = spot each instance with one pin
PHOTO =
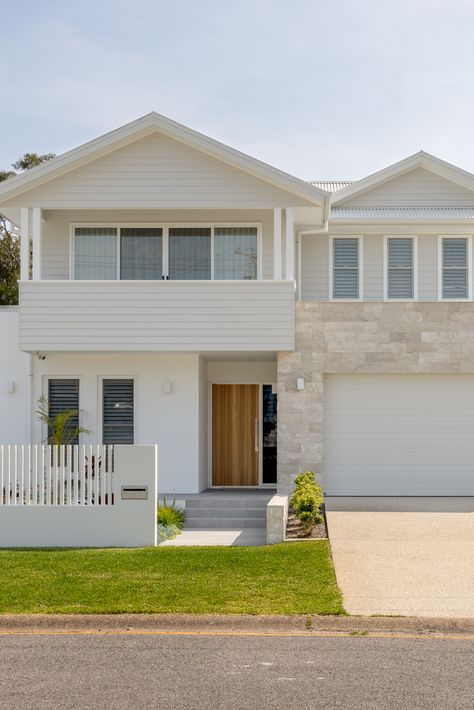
(296, 578)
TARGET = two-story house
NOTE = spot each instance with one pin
(251, 324)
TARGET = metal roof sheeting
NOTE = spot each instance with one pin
(331, 185)
(438, 213)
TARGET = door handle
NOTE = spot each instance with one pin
(256, 436)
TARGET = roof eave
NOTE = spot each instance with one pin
(420, 159)
(147, 125)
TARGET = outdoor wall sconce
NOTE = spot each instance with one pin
(10, 386)
(300, 383)
(167, 386)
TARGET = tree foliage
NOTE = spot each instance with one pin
(62, 428)
(9, 240)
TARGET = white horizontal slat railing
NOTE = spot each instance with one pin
(44, 475)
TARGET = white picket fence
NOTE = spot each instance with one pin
(43, 475)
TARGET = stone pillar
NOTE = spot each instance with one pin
(300, 412)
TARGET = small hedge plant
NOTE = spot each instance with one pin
(170, 514)
(307, 499)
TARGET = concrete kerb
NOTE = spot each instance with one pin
(234, 624)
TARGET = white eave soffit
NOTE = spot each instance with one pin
(418, 160)
(142, 127)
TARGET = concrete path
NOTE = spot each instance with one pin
(247, 537)
(404, 556)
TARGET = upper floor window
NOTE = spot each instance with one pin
(345, 268)
(400, 268)
(455, 276)
(182, 253)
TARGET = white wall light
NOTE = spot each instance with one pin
(300, 383)
(167, 386)
(10, 386)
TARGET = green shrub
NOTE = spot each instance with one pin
(307, 499)
(170, 515)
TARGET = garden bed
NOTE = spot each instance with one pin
(296, 531)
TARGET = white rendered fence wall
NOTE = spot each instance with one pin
(74, 496)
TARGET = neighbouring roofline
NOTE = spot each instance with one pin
(147, 125)
(418, 160)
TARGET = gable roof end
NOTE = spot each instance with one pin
(418, 160)
(144, 126)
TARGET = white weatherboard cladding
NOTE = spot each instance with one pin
(171, 316)
(419, 187)
(315, 264)
(155, 172)
(392, 435)
(56, 230)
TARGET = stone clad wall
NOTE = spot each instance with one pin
(390, 338)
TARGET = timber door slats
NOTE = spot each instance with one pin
(235, 435)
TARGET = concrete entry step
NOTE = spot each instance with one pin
(224, 523)
(226, 509)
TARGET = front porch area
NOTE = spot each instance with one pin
(229, 517)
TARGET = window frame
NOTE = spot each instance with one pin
(165, 226)
(414, 238)
(360, 267)
(45, 393)
(468, 238)
(100, 405)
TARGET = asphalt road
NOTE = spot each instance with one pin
(222, 672)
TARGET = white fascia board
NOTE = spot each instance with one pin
(418, 160)
(147, 125)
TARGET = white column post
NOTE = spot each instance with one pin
(290, 245)
(24, 244)
(277, 243)
(36, 233)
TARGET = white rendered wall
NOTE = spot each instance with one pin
(169, 420)
(127, 523)
(13, 368)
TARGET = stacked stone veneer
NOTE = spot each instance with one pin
(392, 338)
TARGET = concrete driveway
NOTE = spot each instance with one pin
(404, 556)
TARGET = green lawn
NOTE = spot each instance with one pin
(296, 578)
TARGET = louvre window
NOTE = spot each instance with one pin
(455, 269)
(346, 268)
(118, 411)
(63, 394)
(400, 268)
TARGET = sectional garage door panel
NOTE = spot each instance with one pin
(387, 435)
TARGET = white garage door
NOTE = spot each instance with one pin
(400, 435)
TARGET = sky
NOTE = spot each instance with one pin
(324, 89)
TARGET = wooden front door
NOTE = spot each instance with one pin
(235, 435)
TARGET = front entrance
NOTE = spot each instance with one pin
(243, 435)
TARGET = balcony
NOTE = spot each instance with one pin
(156, 316)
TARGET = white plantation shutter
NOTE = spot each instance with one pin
(455, 273)
(345, 268)
(400, 268)
(63, 395)
(118, 411)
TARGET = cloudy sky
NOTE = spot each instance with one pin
(321, 89)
